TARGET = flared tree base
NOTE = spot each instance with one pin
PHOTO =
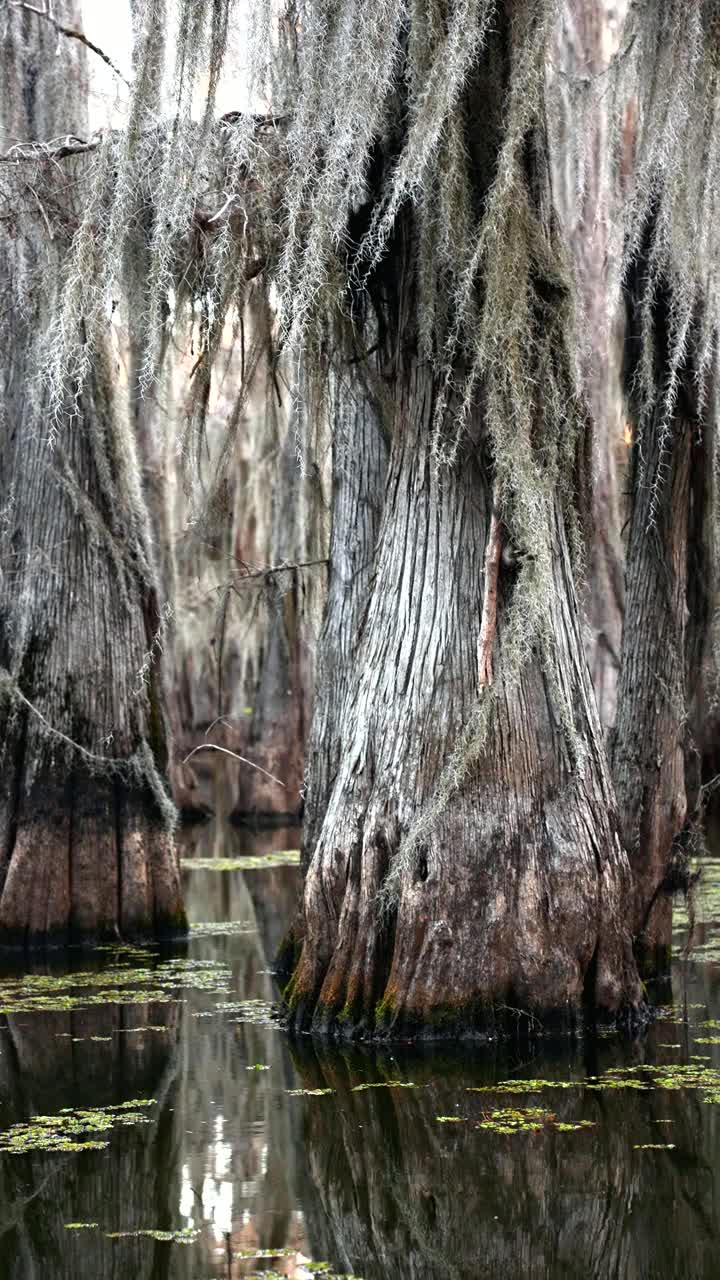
(86, 861)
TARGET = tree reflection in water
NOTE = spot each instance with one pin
(48, 1062)
(365, 1178)
(390, 1191)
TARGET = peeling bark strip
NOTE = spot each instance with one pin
(85, 846)
(488, 622)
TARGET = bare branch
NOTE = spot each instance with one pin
(55, 149)
(211, 746)
(285, 567)
(72, 34)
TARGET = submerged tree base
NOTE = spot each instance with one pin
(474, 1020)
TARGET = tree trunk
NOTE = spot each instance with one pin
(670, 578)
(513, 902)
(85, 845)
(468, 877)
(289, 611)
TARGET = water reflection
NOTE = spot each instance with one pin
(257, 1145)
(48, 1062)
(391, 1191)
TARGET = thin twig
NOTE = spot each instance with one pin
(285, 567)
(6, 680)
(72, 34)
(211, 746)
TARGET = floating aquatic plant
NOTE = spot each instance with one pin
(384, 1084)
(185, 1235)
(73, 1129)
(116, 984)
(308, 1093)
(527, 1120)
(222, 928)
(523, 1086)
(260, 1012)
(245, 862)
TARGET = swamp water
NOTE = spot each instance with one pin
(155, 1121)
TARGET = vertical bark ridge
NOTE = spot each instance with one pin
(649, 746)
(359, 465)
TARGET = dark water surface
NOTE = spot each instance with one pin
(153, 1093)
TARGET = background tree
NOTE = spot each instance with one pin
(85, 824)
(671, 356)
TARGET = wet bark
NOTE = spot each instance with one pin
(85, 848)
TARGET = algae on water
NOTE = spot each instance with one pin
(244, 862)
(74, 1129)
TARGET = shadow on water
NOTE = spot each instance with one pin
(259, 1154)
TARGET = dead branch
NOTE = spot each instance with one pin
(212, 746)
(71, 33)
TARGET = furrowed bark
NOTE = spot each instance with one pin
(289, 610)
(661, 657)
(515, 899)
(359, 464)
(360, 449)
(85, 845)
(669, 588)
